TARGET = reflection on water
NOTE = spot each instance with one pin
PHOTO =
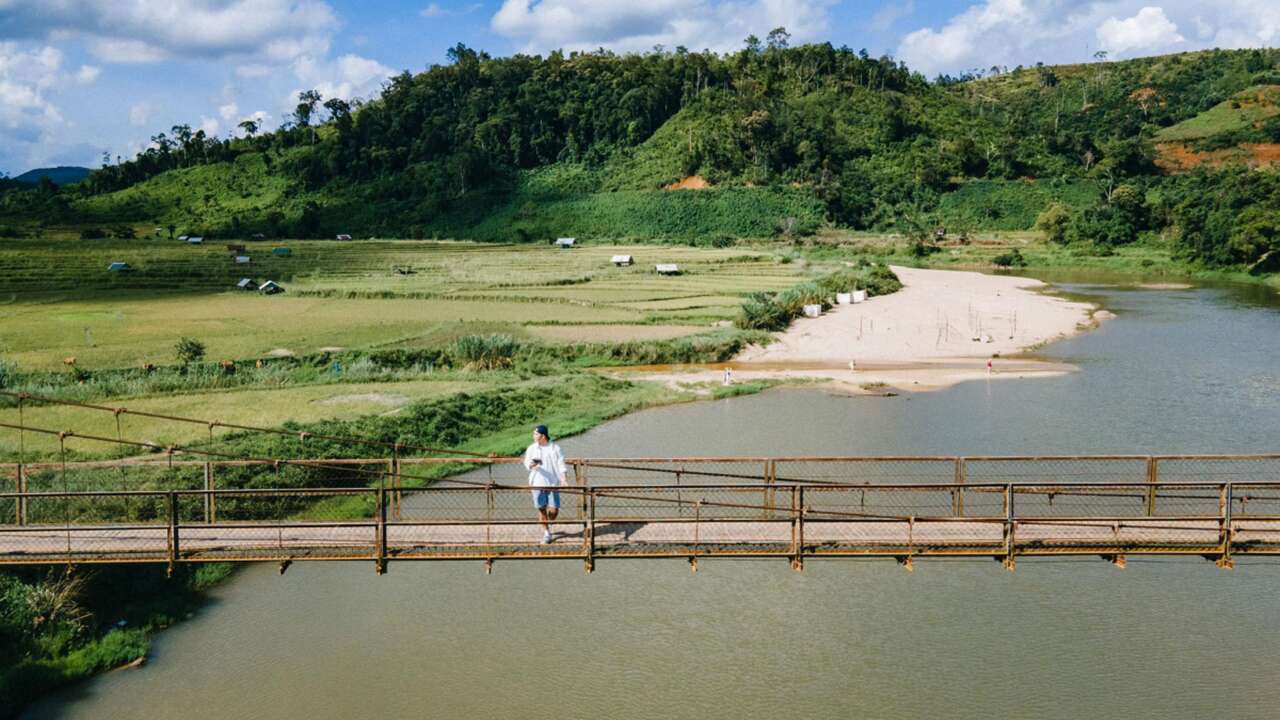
(1177, 371)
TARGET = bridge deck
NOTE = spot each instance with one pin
(116, 543)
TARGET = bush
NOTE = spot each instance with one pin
(1013, 258)
(92, 233)
(1053, 222)
(763, 311)
(188, 350)
(760, 312)
(483, 352)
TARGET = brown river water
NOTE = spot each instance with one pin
(1177, 371)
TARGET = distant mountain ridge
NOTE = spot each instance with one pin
(61, 175)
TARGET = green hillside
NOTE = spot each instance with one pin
(778, 141)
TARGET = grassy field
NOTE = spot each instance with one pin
(1243, 111)
(261, 407)
(59, 300)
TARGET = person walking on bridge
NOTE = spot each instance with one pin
(545, 462)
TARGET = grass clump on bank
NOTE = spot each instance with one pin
(773, 312)
(57, 627)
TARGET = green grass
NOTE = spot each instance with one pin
(1243, 111)
(1011, 204)
(261, 407)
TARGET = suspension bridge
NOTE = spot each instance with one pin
(178, 505)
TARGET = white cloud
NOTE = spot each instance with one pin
(209, 125)
(87, 74)
(1149, 30)
(432, 10)
(1013, 32)
(253, 71)
(228, 111)
(149, 30)
(139, 113)
(637, 26)
(890, 13)
(347, 77)
(27, 116)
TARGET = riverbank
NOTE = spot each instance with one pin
(941, 328)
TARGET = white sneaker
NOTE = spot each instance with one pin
(546, 537)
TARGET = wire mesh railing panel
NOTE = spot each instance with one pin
(880, 502)
(1060, 470)
(1072, 501)
(1218, 469)
(472, 504)
(294, 539)
(707, 503)
(866, 471)
(464, 473)
(1255, 500)
(278, 506)
(85, 508)
(95, 477)
(682, 471)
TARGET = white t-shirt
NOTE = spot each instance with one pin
(552, 467)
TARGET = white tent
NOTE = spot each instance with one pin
(667, 269)
(621, 260)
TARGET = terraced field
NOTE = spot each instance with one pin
(58, 299)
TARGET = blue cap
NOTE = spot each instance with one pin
(542, 430)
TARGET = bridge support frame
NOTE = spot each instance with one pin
(1225, 533)
(797, 528)
(1009, 561)
(173, 533)
(380, 532)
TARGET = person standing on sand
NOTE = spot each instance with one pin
(545, 462)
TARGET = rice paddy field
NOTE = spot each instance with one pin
(59, 300)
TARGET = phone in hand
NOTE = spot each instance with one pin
(535, 461)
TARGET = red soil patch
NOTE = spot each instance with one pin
(1179, 157)
(693, 182)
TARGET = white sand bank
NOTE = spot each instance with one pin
(921, 337)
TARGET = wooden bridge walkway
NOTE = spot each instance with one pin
(1218, 507)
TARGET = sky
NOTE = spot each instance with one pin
(80, 78)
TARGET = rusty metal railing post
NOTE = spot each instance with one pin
(208, 493)
(21, 487)
(1225, 537)
(797, 527)
(957, 495)
(380, 532)
(589, 532)
(1151, 486)
(173, 532)
(1010, 541)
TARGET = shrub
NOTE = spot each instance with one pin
(92, 233)
(483, 352)
(1013, 258)
(188, 350)
(1053, 222)
(760, 312)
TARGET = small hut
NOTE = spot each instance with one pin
(343, 236)
(183, 238)
(246, 284)
(566, 243)
(281, 251)
(621, 260)
(195, 240)
(259, 236)
(242, 259)
(667, 268)
(270, 288)
(119, 267)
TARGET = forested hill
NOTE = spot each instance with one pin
(779, 139)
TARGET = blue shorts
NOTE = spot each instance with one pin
(543, 499)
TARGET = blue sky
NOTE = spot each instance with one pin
(82, 77)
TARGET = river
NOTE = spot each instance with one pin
(1176, 371)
